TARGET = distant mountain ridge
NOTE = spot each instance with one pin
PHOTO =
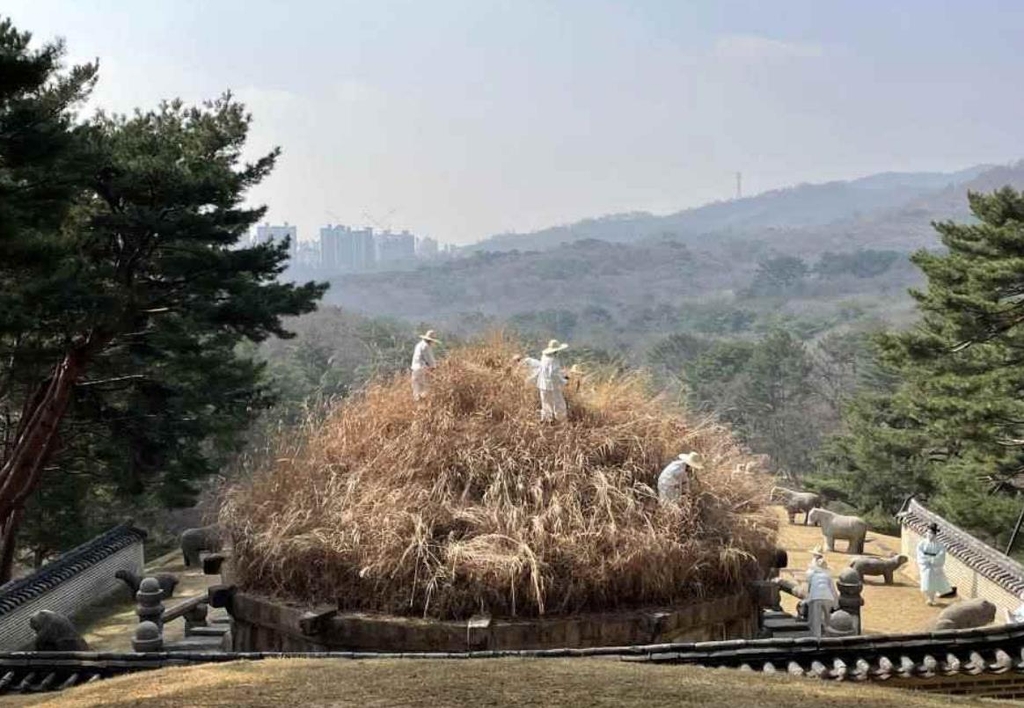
(639, 275)
(802, 206)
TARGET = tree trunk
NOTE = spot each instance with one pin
(8, 544)
(33, 446)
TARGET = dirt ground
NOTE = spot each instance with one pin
(887, 608)
(475, 683)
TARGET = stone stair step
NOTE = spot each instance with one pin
(788, 624)
(197, 644)
(218, 631)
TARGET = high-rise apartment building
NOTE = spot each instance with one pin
(426, 248)
(266, 233)
(396, 248)
(346, 250)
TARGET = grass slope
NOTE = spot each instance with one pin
(475, 683)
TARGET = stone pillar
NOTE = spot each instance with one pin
(196, 617)
(150, 607)
(850, 587)
(148, 637)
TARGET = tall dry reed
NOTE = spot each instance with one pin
(467, 503)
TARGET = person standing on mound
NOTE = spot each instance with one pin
(673, 477)
(551, 382)
(422, 362)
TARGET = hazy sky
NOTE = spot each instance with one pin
(458, 119)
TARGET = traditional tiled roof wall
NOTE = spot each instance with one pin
(80, 578)
(988, 661)
(976, 555)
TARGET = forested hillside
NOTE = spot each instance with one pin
(640, 273)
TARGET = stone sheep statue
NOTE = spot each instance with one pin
(964, 615)
(54, 632)
(797, 502)
(193, 541)
(834, 526)
(167, 582)
(866, 565)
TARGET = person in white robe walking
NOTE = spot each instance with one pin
(422, 362)
(551, 381)
(822, 596)
(931, 562)
(673, 478)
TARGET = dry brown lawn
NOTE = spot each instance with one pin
(887, 608)
(475, 683)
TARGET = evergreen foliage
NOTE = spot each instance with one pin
(124, 292)
(945, 416)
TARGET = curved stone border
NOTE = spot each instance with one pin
(262, 624)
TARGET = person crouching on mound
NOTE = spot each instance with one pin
(675, 476)
(550, 382)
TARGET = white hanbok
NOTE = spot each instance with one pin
(931, 561)
(670, 481)
(550, 382)
(532, 367)
(422, 361)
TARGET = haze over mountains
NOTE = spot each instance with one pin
(640, 275)
(803, 206)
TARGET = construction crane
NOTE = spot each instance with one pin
(385, 226)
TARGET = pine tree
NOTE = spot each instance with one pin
(124, 287)
(951, 424)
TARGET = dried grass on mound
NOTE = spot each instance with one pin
(466, 503)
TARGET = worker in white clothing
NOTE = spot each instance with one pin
(551, 382)
(822, 596)
(673, 478)
(931, 565)
(529, 365)
(422, 362)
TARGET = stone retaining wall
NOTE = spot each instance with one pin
(262, 624)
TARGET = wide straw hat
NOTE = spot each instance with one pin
(817, 552)
(577, 370)
(554, 347)
(693, 459)
(429, 336)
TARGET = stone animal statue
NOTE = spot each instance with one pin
(797, 502)
(54, 632)
(193, 541)
(866, 565)
(167, 581)
(964, 615)
(851, 529)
